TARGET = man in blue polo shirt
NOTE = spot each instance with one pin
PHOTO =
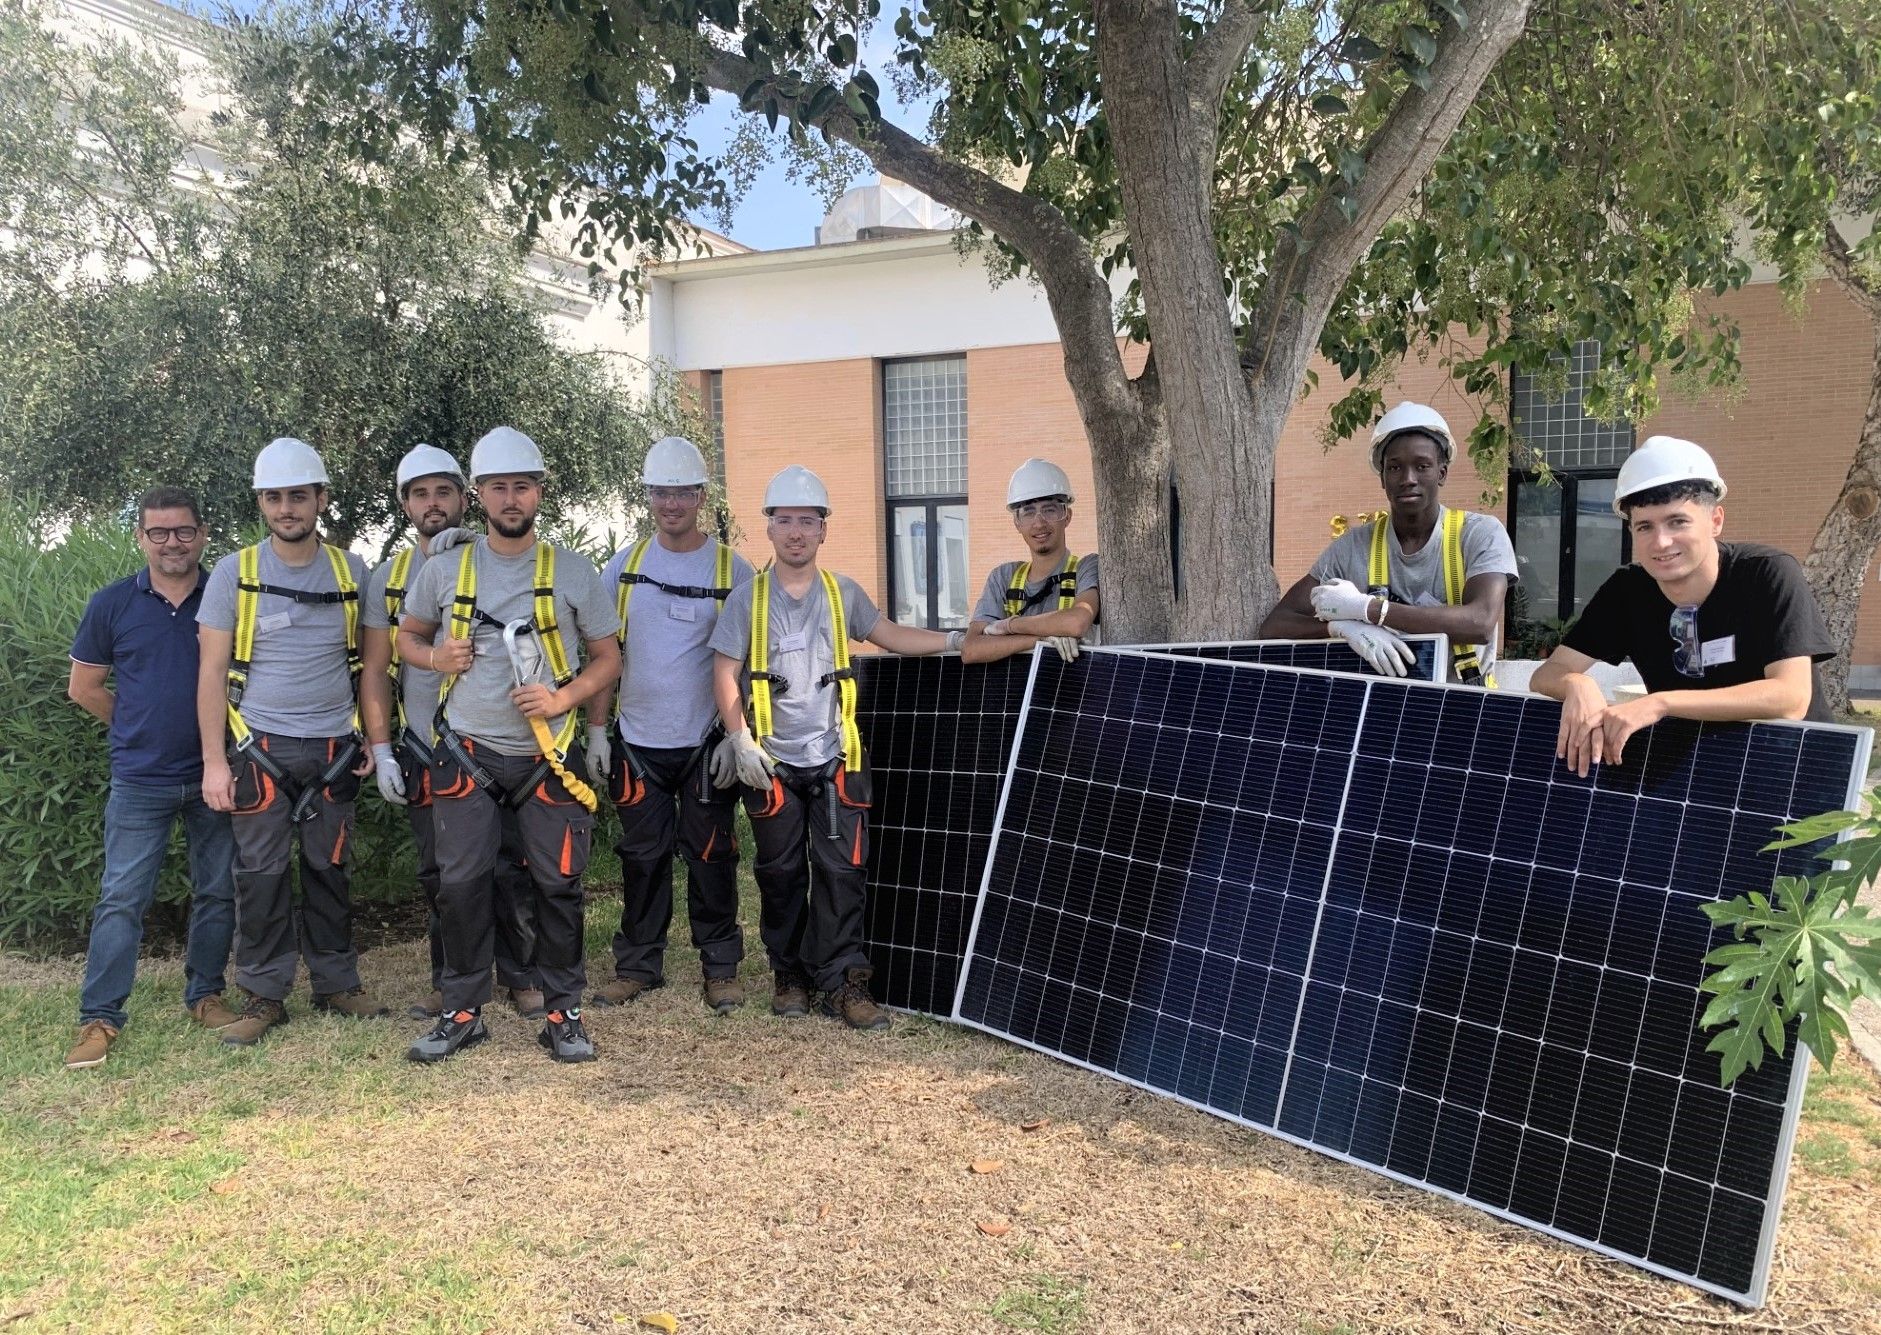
(143, 630)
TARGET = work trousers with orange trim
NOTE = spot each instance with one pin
(272, 935)
(659, 810)
(555, 831)
(812, 886)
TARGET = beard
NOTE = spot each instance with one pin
(291, 530)
(434, 522)
(512, 528)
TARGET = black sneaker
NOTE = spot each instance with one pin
(453, 1031)
(565, 1039)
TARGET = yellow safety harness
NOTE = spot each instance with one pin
(464, 617)
(1066, 583)
(248, 591)
(630, 575)
(397, 583)
(763, 680)
(1463, 657)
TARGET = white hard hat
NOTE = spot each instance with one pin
(426, 461)
(1662, 460)
(674, 461)
(287, 462)
(502, 450)
(796, 486)
(1036, 479)
(1409, 416)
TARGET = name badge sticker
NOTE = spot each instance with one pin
(790, 644)
(279, 621)
(1718, 652)
(680, 610)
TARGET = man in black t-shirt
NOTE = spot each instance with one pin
(1718, 630)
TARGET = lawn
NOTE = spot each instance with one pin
(747, 1174)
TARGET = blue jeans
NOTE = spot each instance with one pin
(137, 823)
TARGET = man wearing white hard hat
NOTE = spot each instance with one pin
(652, 756)
(1052, 594)
(277, 707)
(515, 610)
(396, 703)
(782, 644)
(1422, 569)
(1718, 630)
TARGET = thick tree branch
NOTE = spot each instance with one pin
(1214, 58)
(1079, 297)
(1839, 259)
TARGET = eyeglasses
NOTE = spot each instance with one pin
(182, 533)
(674, 493)
(1687, 649)
(808, 523)
(1040, 509)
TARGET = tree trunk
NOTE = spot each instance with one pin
(1131, 463)
(1838, 561)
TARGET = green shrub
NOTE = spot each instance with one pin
(54, 767)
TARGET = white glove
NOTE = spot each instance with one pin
(996, 628)
(1379, 646)
(1341, 600)
(754, 767)
(385, 770)
(600, 755)
(955, 638)
(451, 537)
(722, 764)
(1066, 645)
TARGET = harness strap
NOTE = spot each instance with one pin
(1019, 602)
(248, 591)
(397, 583)
(1464, 658)
(763, 681)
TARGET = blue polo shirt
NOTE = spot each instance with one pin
(150, 647)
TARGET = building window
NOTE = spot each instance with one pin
(1567, 538)
(924, 435)
(715, 413)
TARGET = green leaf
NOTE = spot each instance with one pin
(1807, 831)
(1330, 104)
(1360, 50)
(1418, 42)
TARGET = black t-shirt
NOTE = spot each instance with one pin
(1760, 612)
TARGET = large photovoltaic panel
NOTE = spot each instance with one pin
(1381, 919)
(939, 734)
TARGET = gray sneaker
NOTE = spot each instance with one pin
(451, 1034)
(565, 1039)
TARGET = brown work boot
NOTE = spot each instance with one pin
(259, 1015)
(94, 1041)
(724, 995)
(621, 991)
(212, 1012)
(355, 1001)
(529, 1002)
(852, 1004)
(430, 1007)
(790, 995)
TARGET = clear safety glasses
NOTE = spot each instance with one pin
(1687, 649)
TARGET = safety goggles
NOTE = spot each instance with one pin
(1687, 649)
(1040, 510)
(807, 523)
(658, 494)
(182, 533)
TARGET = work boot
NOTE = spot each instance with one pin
(94, 1041)
(212, 1012)
(355, 1001)
(429, 1008)
(852, 1004)
(451, 1034)
(259, 1015)
(528, 1002)
(565, 1039)
(790, 995)
(621, 991)
(724, 995)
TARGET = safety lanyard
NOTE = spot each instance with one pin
(843, 677)
(465, 614)
(248, 591)
(1464, 657)
(396, 583)
(1067, 581)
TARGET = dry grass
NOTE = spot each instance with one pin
(752, 1174)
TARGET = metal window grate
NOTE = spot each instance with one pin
(924, 426)
(715, 411)
(1559, 430)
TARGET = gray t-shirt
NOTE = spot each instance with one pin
(479, 705)
(809, 732)
(420, 685)
(666, 678)
(992, 604)
(1417, 579)
(298, 683)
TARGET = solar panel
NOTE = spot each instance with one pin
(939, 732)
(1252, 889)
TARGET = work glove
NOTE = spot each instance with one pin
(722, 764)
(452, 537)
(386, 772)
(754, 767)
(955, 638)
(1066, 645)
(600, 755)
(1340, 600)
(1379, 646)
